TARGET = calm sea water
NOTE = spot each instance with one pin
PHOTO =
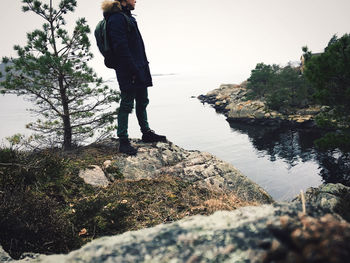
(281, 161)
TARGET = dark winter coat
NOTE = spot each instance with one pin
(131, 62)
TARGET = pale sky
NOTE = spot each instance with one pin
(223, 37)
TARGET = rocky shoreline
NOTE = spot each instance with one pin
(229, 99)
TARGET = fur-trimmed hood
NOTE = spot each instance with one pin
(109, 6)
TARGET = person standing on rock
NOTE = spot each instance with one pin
(132, 70)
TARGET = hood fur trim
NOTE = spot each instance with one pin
(109, 6)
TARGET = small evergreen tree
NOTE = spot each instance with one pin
(283, 88)
(261, 80)
(288, 91)
(51, 69)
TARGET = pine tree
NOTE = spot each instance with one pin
(329, 73)
(51, 70)
(283, 88)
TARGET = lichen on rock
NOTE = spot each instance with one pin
(199, 168)
(334, 198)
(94, 175)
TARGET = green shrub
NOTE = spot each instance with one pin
(283, 88)
(33, 200)
(101, 215)
(261, 80)
(32, 222)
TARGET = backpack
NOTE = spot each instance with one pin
(103, 44)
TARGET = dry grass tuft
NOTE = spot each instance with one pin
(168, 198)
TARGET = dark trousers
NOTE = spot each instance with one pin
(126, 106)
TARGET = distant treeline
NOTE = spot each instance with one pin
(283, 88)
(323, 78)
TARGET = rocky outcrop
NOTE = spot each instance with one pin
(199, 168)
(267, 233)
(334, 198)
(279, 233)
(4, 257)
(229, 99)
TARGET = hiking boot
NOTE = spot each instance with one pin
(151, 136)
(125, 147)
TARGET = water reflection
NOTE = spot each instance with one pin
(295, 146)
(335, 167)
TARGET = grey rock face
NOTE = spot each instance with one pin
(95, 176)
(157, 159)
(201, 168)
(334, 198)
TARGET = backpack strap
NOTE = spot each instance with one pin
(128, 22)
(104, 31)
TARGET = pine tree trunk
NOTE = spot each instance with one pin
(67, 128)
(67, 142)
(67, 135)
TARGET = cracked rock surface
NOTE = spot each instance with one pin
(201, 168)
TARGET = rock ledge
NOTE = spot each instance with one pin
(229, 99)
(199, 168)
